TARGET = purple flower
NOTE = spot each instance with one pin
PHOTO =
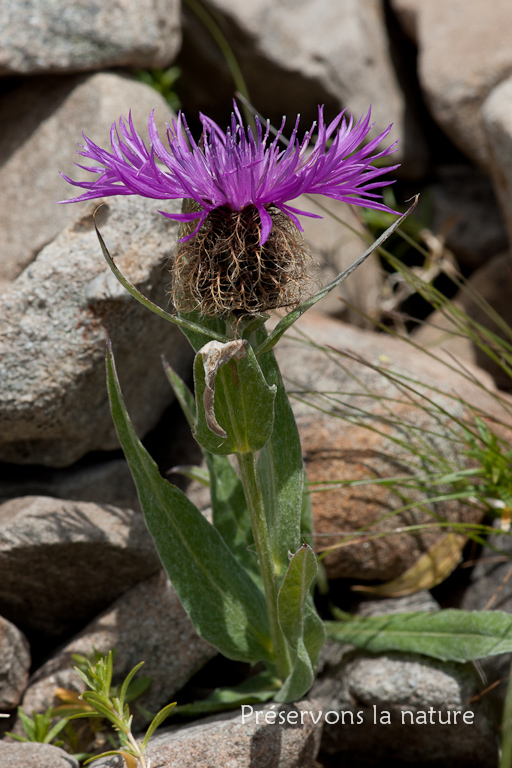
(237, 169)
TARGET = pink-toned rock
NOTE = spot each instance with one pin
(368, 426)
(14, 664)
(147, 623)
(464, 52)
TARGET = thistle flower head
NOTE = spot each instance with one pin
(239, 185)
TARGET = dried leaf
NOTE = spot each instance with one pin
(432, 568)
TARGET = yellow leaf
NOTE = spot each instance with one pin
(130, 760)
(71, 697)
(432, 568)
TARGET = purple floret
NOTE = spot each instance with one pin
(236, 169)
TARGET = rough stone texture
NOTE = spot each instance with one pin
(223, 740)
(54, 323)
(490, 585)
(311, 53)
(32, 755)
(335, 247)
(41, 36)
(338, 445)
(492, 282)
(464, 52)
(147, 623)
(42, 124)
(497, 117)
(404, 682)
(466, 215)
(490, 588)
(106, 482)
(14, 665)
(62, 562)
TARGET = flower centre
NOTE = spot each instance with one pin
(224, 270)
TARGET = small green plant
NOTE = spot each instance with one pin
(39, 727)
(112, 703)
(164, 81)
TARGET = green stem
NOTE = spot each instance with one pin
(254, 498)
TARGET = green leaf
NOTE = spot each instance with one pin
(291, 606)
(243, 406)
(157, 720)
(293, 593)
(191, 472)
(449, 635)
(314, 630)
(102, 709)
(300, 679)
(226, 607)
(57, 728)
(294, 315)
(229, 509)
(18, 738)
(280, 470)
(230, 514)
(129, 677)
(255, 690)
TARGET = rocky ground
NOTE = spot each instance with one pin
(78, 568)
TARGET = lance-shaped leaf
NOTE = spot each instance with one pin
(229, 508)
(280, 470)
(450, 635)
(226, 607)
(291, 607)
(294, 315)
(241, 404)
(255, 690)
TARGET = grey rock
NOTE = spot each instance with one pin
(40, 36)
(459, 65)
(33, 755)
(147, 623)
(55, 320)
(358, 435)
(63, 562)
(224, 740)
(490, 589)
(42, 124)
(106, 482)
(497, 118)
(366, 717)
(312, 53)
(14, 664)
(490, 585)
(418, 601)
(466, 215)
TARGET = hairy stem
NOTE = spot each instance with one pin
(254, 498)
